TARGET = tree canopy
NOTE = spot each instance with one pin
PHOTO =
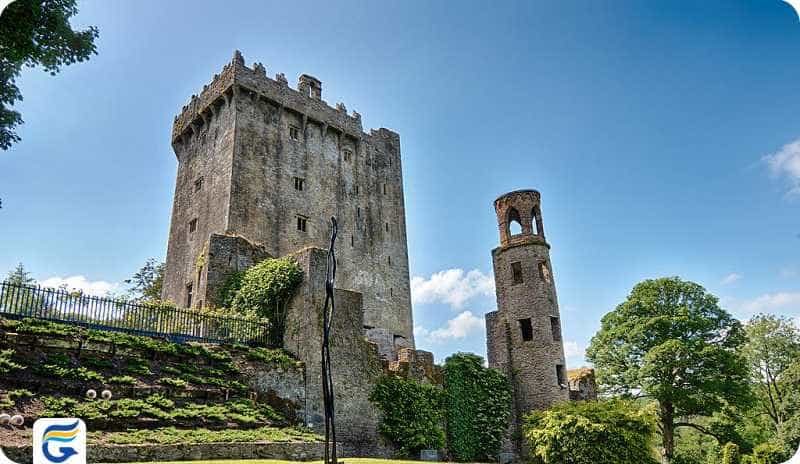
(147, 282)
(597, 432)
(36, 33)
(671, 342)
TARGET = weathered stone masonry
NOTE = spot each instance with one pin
(524, 335)
(261, 168)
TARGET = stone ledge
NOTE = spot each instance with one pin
(292, 451)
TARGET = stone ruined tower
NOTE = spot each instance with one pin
(262, 167)
(524, 334)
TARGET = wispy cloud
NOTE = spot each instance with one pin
(731, 278)
(79, 282)
(767, 303)
(453, 287)
(457, 328)
(573, 350)
(785, 163)
(789, 273)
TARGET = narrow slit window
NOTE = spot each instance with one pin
(544, 272)
(526, 328)
(386, 226)
(188, 295)
(561, 375)
(198, 184)
(516, 272)
(384, 189)
(389, 259)
(299, 183)
(352, 241)
(301, 223)
(193, 225)
(356, 189)
(555, 328)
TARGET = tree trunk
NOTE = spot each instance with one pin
(667, 432)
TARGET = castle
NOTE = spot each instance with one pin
(261, 169)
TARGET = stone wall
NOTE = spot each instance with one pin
(254, 141)
(355, 362)
(292, 451)
(582, 384)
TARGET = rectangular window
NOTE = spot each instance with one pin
(198, 184)
(192, 225)
(301, 223)
(294, 133)
(516, 272)
(555, 328)
(526, 328)
(386, 226)
(389, 260)
(299, 183)
(561, 376)
(384, 189)
(358, 212)
(352, 241)
(356, 187)
(188, 295)
(348, 155)
(391, 291)
(544, 272)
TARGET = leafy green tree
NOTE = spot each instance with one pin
(478, 408)
(597, 432)
(19, 297)
(772, 349)
(671, 342)
(147, 282)
(412, 413)
(36, 33)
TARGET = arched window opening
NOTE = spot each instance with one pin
(535, 220)
(514, 222)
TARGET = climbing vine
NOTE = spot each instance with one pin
(264, 290)
(478, 408)
(412, 413)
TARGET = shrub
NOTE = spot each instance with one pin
(122, 380)
(266, 287)
(597, 432)
(730, 454)
(769, 453)
(6, 364)
(478, 408)
(412, 413)
(175, 383)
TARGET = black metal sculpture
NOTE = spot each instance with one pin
(327, 378)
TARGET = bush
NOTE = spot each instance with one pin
(730, 454)
(266, 287)
(769, 453)
(597, 432)
(412, 413)
(478, 408)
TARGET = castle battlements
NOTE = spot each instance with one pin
(237, 78)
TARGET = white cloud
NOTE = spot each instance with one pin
(79, 282)
(731, 278)
(786, 163)
(573, 350)
(453, 287)
(457, 328)
(767, 303)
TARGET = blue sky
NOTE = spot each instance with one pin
(659, 133)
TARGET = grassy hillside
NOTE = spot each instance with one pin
(161, 390)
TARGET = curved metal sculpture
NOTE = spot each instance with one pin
(327, 378)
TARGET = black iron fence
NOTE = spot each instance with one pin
(177, 325)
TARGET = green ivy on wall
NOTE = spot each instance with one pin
(478, 408)
(412, 413)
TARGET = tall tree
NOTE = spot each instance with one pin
(773, 346)
(18, 298)
(19, 276)
(146, 284)
(670, 341)
(36, 33)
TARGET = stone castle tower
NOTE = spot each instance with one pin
(524, 334)
(261, 169)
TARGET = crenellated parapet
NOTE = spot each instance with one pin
(236, 79)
